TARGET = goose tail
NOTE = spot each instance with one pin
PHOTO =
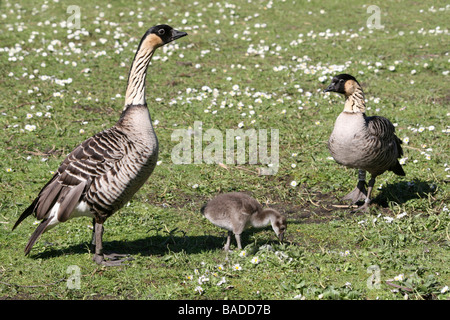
(36, 234)
(202, 209)
(28, 211)
(398, 170)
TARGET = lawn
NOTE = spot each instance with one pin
(245, 65)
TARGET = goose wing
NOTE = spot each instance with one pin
(380, 127)
(91, 159)
(383, 129)
(382, 132)
(250, 206)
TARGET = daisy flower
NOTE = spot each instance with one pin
(255, 260)
(199, 289)
(401, 215)
(400, 277)
(202, 279)
(30, 127)
(222, 281)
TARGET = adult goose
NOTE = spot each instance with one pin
(368, 144)
(102, 174)
(235, 211)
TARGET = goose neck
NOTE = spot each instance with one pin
(355, 101)
(135, 93)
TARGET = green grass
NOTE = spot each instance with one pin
(263, 69)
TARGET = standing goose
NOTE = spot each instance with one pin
(361, 142)
(235, 211)
(105, 171)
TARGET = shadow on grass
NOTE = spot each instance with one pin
(149, 246)
(157, 245)
(404, 191)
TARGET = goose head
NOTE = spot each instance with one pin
(279, 225)
(344, 84)
(159, 35)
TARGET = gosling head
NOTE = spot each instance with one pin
(279, 225)
(344, 84)
(160, 35)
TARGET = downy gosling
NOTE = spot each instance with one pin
(236, 210)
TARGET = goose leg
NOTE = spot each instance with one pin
(365, 206)
(227, 245)
(359, 193)
(93, 235)
(238, 241)
(98, 233)
(99, 256)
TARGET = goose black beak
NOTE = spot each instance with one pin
(330, 88)
(177, 35)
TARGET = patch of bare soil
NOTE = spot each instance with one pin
(316, 208)
(181, 201)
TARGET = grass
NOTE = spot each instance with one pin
(253, 64)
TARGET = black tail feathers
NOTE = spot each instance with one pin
(36, 234)
(28, 211)
(398, 170)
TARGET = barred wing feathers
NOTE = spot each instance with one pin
(382, 133)
(92, 159)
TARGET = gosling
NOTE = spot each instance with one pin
(236, 210)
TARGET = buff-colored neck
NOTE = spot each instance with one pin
(354, 98)
(135, 94)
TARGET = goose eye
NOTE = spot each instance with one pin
(341, 80)
(161, 32)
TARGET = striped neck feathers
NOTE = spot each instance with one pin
(135, 94)
(354, 98)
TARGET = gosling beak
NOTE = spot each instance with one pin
(177, 34)
(281, 236)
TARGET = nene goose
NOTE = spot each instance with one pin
(361, 142)
(235, 211)
(102, 174)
